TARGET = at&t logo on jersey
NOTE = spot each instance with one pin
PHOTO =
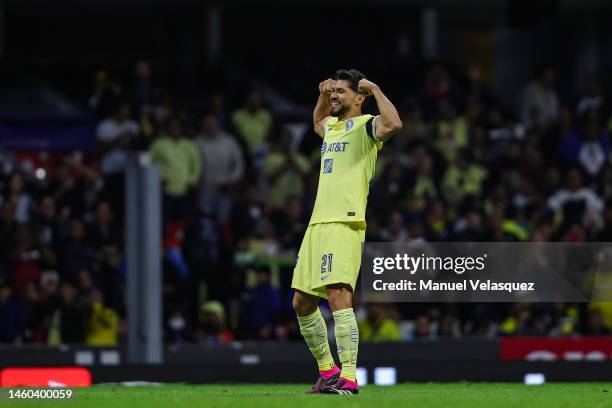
(327, 166)
(334, 147)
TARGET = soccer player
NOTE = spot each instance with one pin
(330, 255)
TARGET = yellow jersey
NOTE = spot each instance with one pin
(348, 161)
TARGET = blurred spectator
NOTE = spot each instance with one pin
(67, 320)
(451, 131)
(70, 194)
(114, 136)
(591, 98)
(173, 238)
(205, 245)
(211, 324)
(72, 326)
(390, 190)
(604, 309)
(106, 239)
(77, 254)
(142, 89)
(175, 270)
(470, 227)
(8, 228)
(13, 321)
(577, 203)
(439, 88)
(85, 283)
(176, 325)
(374, 231)
(147, 123)
(377, 326)
(449, 328)
(223, 167)
(181, 168)
(479, 145)
(47, 221)
(103, 232)
(35, 303)
(24, 258)
(415, 128)
(21, 199)
(561, 318)
(248, 211)
(588, 148)
(291, 223)
(262, 243)
(423, 329)
(462, 178)
(595, 324)
(604, 184)
(436, 228)
(521, 322)
(605, 234)
(106, 93)
(261, 305)
(285, 171)
(221, 156)
(539, 106)
(396, 231)
(101, 322)
(425, 185)
(253, 123)
(476, 88)
(216, 106)
(501, 132)
(564, 130)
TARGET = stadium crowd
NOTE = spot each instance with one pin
(238, 187)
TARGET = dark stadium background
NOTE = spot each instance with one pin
(463, 75)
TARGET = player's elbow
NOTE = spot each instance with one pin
(391, 128)
(396, 126)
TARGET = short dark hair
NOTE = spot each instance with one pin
(352, 76)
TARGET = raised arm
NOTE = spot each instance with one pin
(389, 122)
(323, 107)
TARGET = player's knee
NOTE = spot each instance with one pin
(302, 305)
(339, 297)
(335, 300)
(297, 303)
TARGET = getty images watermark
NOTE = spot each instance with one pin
(486, 272)
(458, 265)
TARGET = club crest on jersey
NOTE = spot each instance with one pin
(327, 166)
(323, 148)
(349, 125)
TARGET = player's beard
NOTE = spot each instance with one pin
(341, 111)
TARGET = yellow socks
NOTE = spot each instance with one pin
(314, 331)
(347, 341)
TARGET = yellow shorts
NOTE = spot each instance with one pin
(330, 253)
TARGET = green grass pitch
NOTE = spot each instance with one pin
(471, 395)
